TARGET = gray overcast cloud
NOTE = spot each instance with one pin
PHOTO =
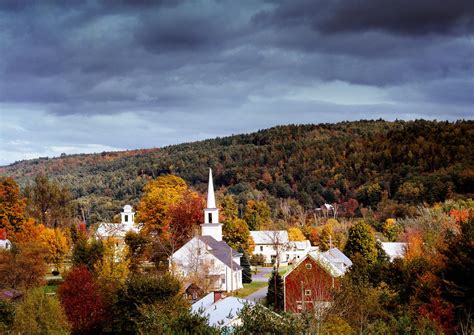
(88, 76)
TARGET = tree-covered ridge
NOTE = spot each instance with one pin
(369, 161)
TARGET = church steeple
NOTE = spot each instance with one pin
(211, 199)
(211, 226)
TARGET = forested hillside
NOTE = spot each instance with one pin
(375, 164)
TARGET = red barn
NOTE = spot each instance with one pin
(311, 281)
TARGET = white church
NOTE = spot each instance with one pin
(208, 255)
(119, 230)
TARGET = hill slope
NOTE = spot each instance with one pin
(412, 162)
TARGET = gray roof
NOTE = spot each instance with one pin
(221, 251)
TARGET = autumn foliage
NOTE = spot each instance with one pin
(82, 301)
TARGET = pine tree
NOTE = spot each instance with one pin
(275, 291)
(245, 264)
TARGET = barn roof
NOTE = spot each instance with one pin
(332, 261)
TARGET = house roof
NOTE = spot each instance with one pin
(269, 236)
(332, 261)
(222, 312)
(300, 245)
(222, 251)
(394, 249)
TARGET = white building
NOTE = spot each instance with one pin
(5, 244)
(394, 249)
(208, 255)
(271, 243)
(298, 250)
(221, 312)
(119, 230)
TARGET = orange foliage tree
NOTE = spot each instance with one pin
(12, 206)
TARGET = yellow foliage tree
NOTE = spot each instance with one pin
(57, 245)
(112, 271)
(30, 232)
(158, 196)
(295, 234)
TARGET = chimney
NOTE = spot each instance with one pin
(217, 296)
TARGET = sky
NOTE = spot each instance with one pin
(101, 75)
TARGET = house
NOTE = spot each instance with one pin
(298, 250)
(4, 242)
(221, 312)
(308, 285)
(119, 230)
(207, 257)
(394, 249)
(271, 243)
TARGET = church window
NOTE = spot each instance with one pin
(126, 218)
(209, 215)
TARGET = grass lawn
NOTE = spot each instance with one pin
(283, 269)
(50, 289)
(249, 289)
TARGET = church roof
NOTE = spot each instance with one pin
(221, 251)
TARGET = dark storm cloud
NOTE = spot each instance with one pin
(399, 16)
(171, 71)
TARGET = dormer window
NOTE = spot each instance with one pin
(209, 216)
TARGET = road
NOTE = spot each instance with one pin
(259, 295)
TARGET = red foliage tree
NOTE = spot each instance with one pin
(82, 301)
(185, 217)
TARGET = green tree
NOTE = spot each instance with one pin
(135, 301)
(49, 202)
(245, 264)
(7, 316)
(257, 214)
(458, 276)
(40, 314)
(237, 235)
(361, 241)
(87, 253)
(275, 291)
(137, 247)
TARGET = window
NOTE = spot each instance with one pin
(223, 280)
(209, 216)
(309, 266)
(212, 262)
(261, 248)
(126, 218)
(307, 292)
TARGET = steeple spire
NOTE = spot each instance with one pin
(211, 199)
(211, 225)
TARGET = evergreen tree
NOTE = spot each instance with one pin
(245, 264)
(275, 291)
